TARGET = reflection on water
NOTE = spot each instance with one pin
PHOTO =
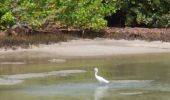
(101, 92)
(122, 87)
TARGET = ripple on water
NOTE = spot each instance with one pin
(81, 88)
(9, 82)
(18, 78)
(121, 87)
(12, 63)
(57, 60)
(130, 84)
(131, 93)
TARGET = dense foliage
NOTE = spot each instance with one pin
(83, 14)
(29, 12)
(148, 13)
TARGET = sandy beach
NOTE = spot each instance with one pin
(90, 47)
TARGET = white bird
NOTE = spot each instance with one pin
(99, 78)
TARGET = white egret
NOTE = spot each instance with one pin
(99, 78)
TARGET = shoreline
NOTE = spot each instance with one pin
(55, 35)
(90, 48)
(148, 34)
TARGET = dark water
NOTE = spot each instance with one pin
(132, 77)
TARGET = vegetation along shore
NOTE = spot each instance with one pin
(27, 22)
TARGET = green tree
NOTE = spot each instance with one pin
(150, 13)
(7, 18)
(29, 12)
(84, 14)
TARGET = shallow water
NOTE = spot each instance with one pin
(132, 77)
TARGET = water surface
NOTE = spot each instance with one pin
(132, 77)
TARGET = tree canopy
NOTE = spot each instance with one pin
(83, 14)
(149, 13)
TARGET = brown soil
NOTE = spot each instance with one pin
(149, 34)
(2, 34)
(139, 33)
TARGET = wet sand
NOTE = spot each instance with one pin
(90, 47)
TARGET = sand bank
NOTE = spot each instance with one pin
(90, 47)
